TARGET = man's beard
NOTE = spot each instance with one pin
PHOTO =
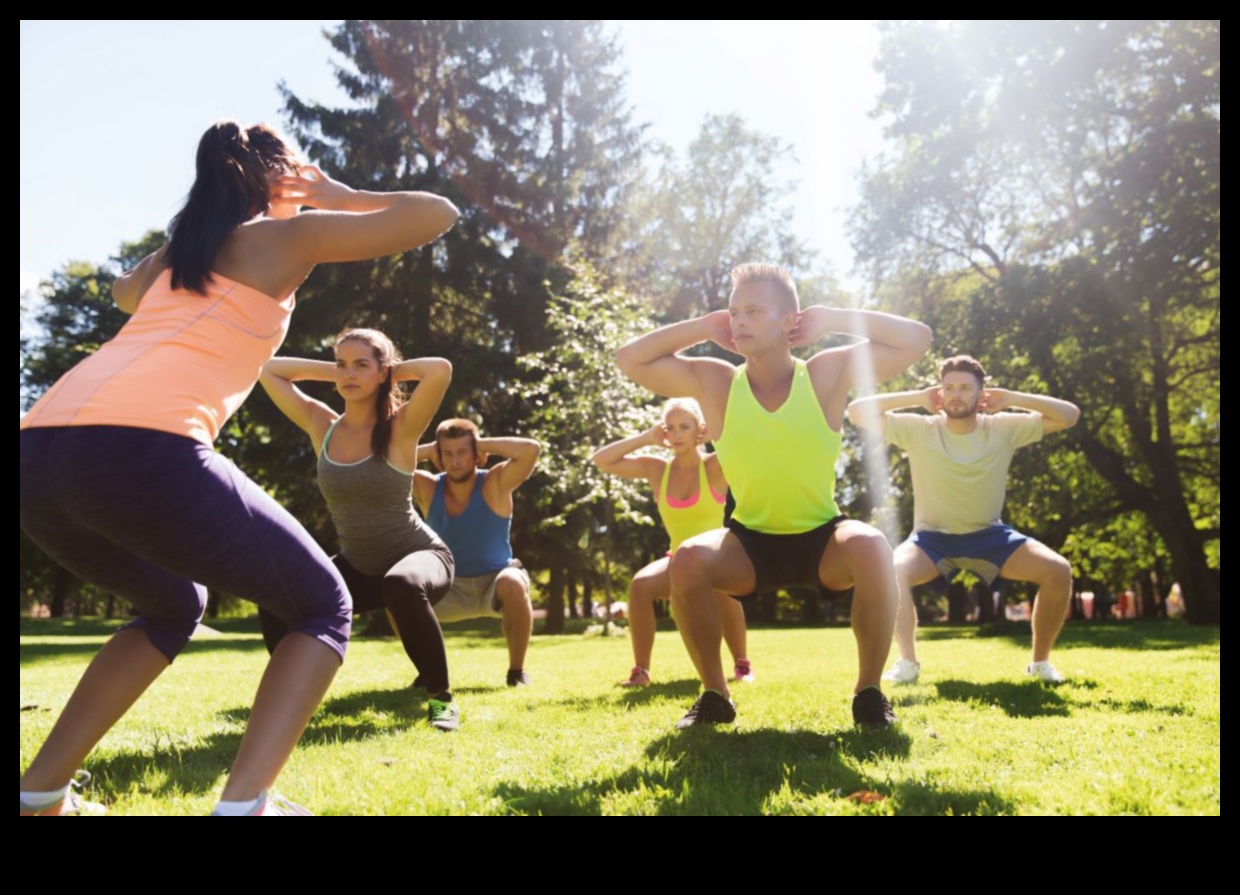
(960, 413)
(463, 477)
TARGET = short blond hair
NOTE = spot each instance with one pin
(777, 277)
(688, 405)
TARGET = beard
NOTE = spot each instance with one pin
(463, 477)
(960, 413)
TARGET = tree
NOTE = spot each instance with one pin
(579, 403)
(1072, 170)
(724, 204)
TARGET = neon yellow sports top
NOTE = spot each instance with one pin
(684, 522)
(780, 466)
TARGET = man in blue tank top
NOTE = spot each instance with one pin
(470, 507)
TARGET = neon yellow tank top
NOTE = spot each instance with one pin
(780, 466)
(704, 514)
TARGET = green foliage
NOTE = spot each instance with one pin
(578, 403)
(1062, 179)
(696, 218)
(1137, 730)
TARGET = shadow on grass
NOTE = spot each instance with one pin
(687, 688)
(1024, 699)
(726, 772)
(355, 716)
(31, 653)
(1123, 635)
(165, 769)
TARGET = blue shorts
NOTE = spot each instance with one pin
(981, 552)
(158, 518)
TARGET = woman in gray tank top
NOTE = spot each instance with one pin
(389, 558)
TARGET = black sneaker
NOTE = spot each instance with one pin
(871, 709)
(443, 715)
(518, 678)
(712, 707)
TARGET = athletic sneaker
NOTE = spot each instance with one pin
(72, 805)
(712, 707)
(1045, 672)
(272, 804)
(443, 715)
(742, 673)
(903, 672)
(518, 678)
(871, 709)
(638, 677)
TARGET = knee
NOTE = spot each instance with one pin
(690, 566)
(397, 589)
(867, 550)
(644, 590)
(1058, 573)
(512, 591)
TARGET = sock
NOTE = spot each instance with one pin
(37, 801)
(238, 809)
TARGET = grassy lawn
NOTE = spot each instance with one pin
(1135, 731)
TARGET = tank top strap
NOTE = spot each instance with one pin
(327, 437)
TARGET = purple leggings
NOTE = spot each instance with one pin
(153, 517)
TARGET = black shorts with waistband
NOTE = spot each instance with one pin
(785, 560)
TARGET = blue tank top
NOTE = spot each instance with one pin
(478, 537)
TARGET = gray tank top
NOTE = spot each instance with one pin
(370, 502)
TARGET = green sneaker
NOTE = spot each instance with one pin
(443, 715)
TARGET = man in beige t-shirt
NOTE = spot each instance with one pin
(959, 456)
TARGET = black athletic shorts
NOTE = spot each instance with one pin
(785, 560)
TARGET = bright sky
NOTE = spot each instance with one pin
(111, 112)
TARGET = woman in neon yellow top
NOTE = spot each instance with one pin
(690, 490)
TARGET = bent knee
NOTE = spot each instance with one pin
(512, 587)
(864, 544)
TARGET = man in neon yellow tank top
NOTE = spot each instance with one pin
(775, 422)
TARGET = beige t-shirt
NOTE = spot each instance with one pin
(959, 481)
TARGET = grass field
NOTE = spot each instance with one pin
(1135, 731)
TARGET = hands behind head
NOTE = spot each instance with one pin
(932, 398)
(811, 325)
(309, 186)
(994, 400)
(720, 323)
(657, 435)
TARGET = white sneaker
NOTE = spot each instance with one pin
(1045, 672)
(903, 672)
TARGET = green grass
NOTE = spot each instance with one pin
(1135, 731)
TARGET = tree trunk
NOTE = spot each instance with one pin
(957, 602)
(587, 597)
(62, 583)
(554, 623)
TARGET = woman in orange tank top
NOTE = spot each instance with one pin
(119, 480)
(690, 491)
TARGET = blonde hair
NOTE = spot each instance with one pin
(778, 278)
(688, 405)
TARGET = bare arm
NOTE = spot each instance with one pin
(311, 416)
(423, 489)
(652, 360)
(427, 454)
(871, 412)
(433, 375)
(129, 287)
(520, 455)
(353, 225)
(891, 344)
(615, 460)
(1057, 414)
